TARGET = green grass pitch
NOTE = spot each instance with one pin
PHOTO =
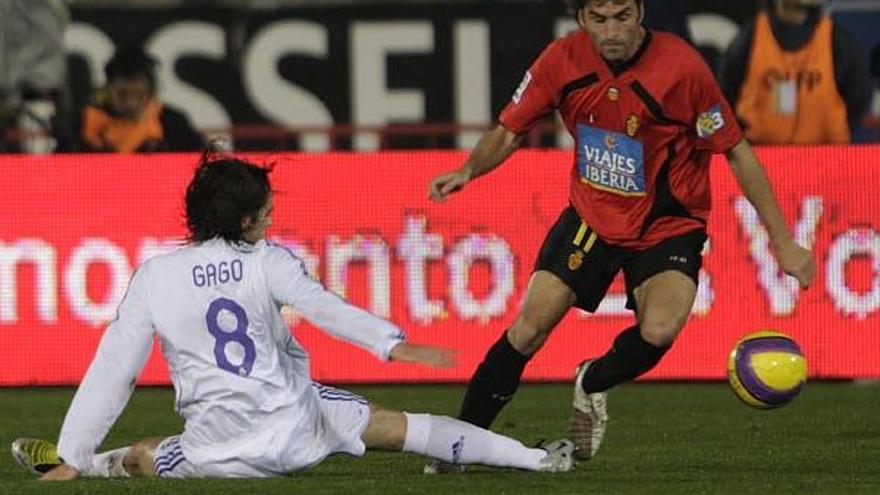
(662, 438)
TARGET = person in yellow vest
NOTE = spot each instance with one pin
(794, 76)
(126, 116)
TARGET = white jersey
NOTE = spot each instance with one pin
(216, 309)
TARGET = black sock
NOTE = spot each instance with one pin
(493, 384)
(629, 357)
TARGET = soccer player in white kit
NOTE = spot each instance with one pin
(241, 380)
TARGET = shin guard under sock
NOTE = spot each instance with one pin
(629, 357)
(493, 384)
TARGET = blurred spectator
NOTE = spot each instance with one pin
(126, 115)
(875, 62)
(669, 16)
(794, 76)
(32, 71)
(875, 70)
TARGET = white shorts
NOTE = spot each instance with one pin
(282, 447)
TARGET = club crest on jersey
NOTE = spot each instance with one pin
(575, 260)
(632, 125)
(710, 122)
(526, 80)
(610, 141)
(610, 161)
(613, 94)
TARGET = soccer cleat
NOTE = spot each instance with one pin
(588, 417)
(35, 455)
(443, 467)
(559, 458)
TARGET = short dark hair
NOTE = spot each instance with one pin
(131, 62)
(575, 5)
(223, 192)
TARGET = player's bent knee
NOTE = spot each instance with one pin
(526, 337)
(131, 463)
(139, 460)
(386, 429)
(660, 335)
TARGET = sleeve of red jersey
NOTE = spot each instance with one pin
(535, 96)
(714, 121)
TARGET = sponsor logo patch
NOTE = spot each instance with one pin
(710, 122)
(610, 161)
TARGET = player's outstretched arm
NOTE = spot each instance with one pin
(110, 379)
(493, 148)
(795, 260)
(427, 355)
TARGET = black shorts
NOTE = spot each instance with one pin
(587, 264)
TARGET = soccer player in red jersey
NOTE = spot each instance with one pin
(646, 114)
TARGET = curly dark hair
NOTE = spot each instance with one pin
(575, 5)
(223, 192)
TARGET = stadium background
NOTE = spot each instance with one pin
(397, 87)
(364, 74)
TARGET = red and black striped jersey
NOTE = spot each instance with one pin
(644, 132)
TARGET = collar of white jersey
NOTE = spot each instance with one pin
(242, 246)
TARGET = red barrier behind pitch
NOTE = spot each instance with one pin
(74, 227)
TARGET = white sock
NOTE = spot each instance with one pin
(451, 440)
(109, 464)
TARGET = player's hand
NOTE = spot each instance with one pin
(64, 472)
(436, 357)
(798, 262)
(445, 184)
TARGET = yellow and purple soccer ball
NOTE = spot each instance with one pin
(766, 369)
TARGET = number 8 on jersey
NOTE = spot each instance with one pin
(223, 337)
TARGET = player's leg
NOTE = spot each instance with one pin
(571, 269)
(457, 442)
(149, 457)
(497, 378)
(40, 456)
(665, 301)
(662, 286)
(141, 460)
